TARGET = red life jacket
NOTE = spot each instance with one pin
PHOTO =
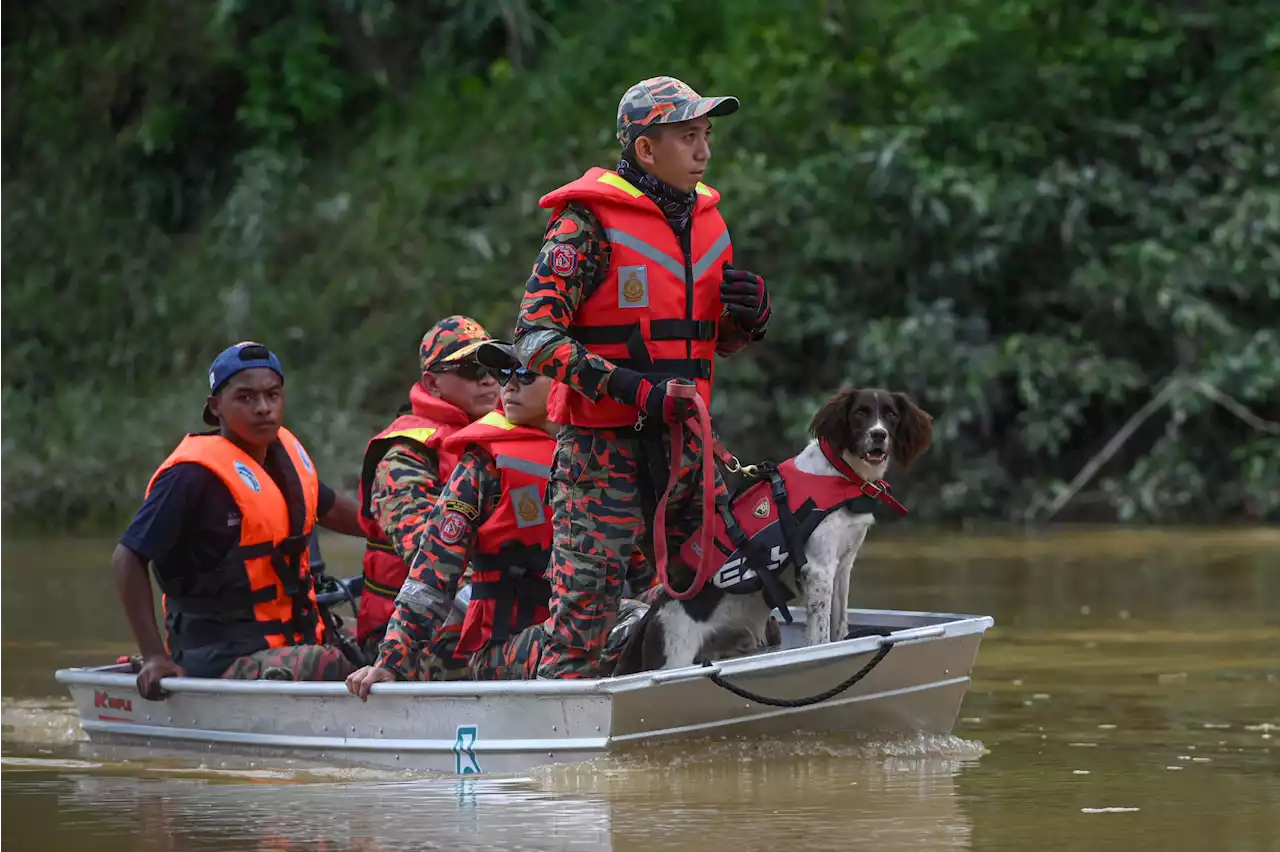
(509, 590)
(764, 529)
(427, 423)
(657, 311)
(262, 595)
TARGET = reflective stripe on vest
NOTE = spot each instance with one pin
(273, 556)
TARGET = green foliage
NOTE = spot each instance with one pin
(1024, 213)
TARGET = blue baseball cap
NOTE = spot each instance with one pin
(246, 355)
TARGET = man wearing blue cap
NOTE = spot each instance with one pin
(226, 525)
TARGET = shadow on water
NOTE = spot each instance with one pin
(1128, 696)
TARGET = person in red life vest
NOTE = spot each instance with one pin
(405, 464)
(226, 526)
(492, 517)
(633, 286)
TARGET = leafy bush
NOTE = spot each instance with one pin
(1029, 216)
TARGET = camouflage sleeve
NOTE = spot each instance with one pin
(468, 498)
(573, 259)
(405, 487)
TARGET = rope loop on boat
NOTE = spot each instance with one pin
(802, 702)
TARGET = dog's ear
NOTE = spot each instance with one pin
(914, 434)
(832, 420)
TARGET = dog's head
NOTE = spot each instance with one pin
(870, 427)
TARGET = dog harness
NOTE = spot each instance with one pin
(764, 528)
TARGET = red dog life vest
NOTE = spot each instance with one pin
(428, 422)
(657, 311)
(509, 590)
(767, 525)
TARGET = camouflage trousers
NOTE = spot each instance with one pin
(598, 482)
(518, 657)
(294, 662)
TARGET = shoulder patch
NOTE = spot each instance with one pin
(453, 527)
(563, 260)
(471, 512)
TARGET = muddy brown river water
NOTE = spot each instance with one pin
(1128, 698)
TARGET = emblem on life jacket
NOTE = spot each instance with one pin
(245, 474)
(306, 459)
(633, 286)
(527, 501)
(762, 508)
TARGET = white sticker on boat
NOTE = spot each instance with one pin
(465, 762)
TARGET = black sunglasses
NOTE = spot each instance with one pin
(522, 376)
(472, 371)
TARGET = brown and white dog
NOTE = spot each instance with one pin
(868, 429)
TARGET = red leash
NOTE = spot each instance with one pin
(706, 541)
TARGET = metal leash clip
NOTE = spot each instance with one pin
(748, 470)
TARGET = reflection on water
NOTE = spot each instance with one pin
(1129, 697)
(722, 798)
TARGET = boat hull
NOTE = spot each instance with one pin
(510, 726)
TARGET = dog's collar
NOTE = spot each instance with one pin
(878, 489)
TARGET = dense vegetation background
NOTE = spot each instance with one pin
(1039, 217)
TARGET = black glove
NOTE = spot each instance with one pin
(631, 388)
(745, 298)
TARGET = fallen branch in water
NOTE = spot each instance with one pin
(1172, 386)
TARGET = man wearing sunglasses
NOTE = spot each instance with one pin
(633, 287)
(492, 516)
(406, 464)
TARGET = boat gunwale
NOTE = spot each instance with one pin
(953, 626)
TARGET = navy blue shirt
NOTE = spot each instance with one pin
(190, 521)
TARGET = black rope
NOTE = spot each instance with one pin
(802, 702)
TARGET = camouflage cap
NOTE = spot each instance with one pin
(664, 100)
(451, 339)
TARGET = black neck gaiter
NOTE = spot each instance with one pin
(677, 206)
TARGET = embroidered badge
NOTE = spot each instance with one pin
(465, 508)
(453, 526)
(633, 286)
(306, 459)
(527, 501)
(762, 508)
(243, 471)
(564, 260)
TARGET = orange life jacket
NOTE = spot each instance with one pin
(509, 590)
(427, 423)
(261, 595)
(658, 308)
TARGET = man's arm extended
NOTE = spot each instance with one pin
(469, 497)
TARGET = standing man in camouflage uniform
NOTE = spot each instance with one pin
(405, 465)
(633, 286)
